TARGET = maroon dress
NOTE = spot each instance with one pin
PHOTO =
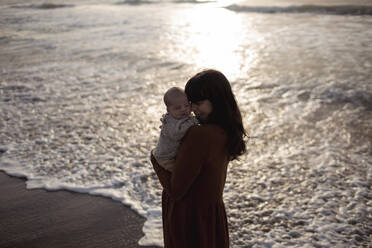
(192, 202)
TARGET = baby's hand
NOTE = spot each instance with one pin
(163, 119)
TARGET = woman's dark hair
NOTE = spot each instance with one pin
(212, 85)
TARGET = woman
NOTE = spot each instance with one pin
(192, 202)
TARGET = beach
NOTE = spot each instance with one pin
(39, 218)
(81, 97)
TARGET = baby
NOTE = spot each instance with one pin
(175, 123)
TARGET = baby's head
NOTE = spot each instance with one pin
(177, 103)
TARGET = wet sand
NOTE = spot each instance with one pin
(38, 218)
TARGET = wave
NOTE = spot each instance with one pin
(317, 9)
(45, 6)
(140, 2)
(134, 2)
(355, 98)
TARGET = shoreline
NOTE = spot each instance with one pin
(61, 219)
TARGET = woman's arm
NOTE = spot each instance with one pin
(191, 156)
(163, 175)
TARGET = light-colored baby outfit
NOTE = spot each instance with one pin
(172, 131)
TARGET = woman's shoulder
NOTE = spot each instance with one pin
(208, 131)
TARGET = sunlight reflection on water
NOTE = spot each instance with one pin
(212, 38)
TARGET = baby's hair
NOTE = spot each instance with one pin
(171, 94)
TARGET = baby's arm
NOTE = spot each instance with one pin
(182, 126)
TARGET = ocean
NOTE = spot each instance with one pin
(81, 86)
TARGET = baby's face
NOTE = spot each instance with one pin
(179, 107)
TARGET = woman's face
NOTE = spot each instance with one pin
(202, 109)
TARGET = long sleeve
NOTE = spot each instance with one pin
(178, 129)
(163, 175)
(193, 153)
